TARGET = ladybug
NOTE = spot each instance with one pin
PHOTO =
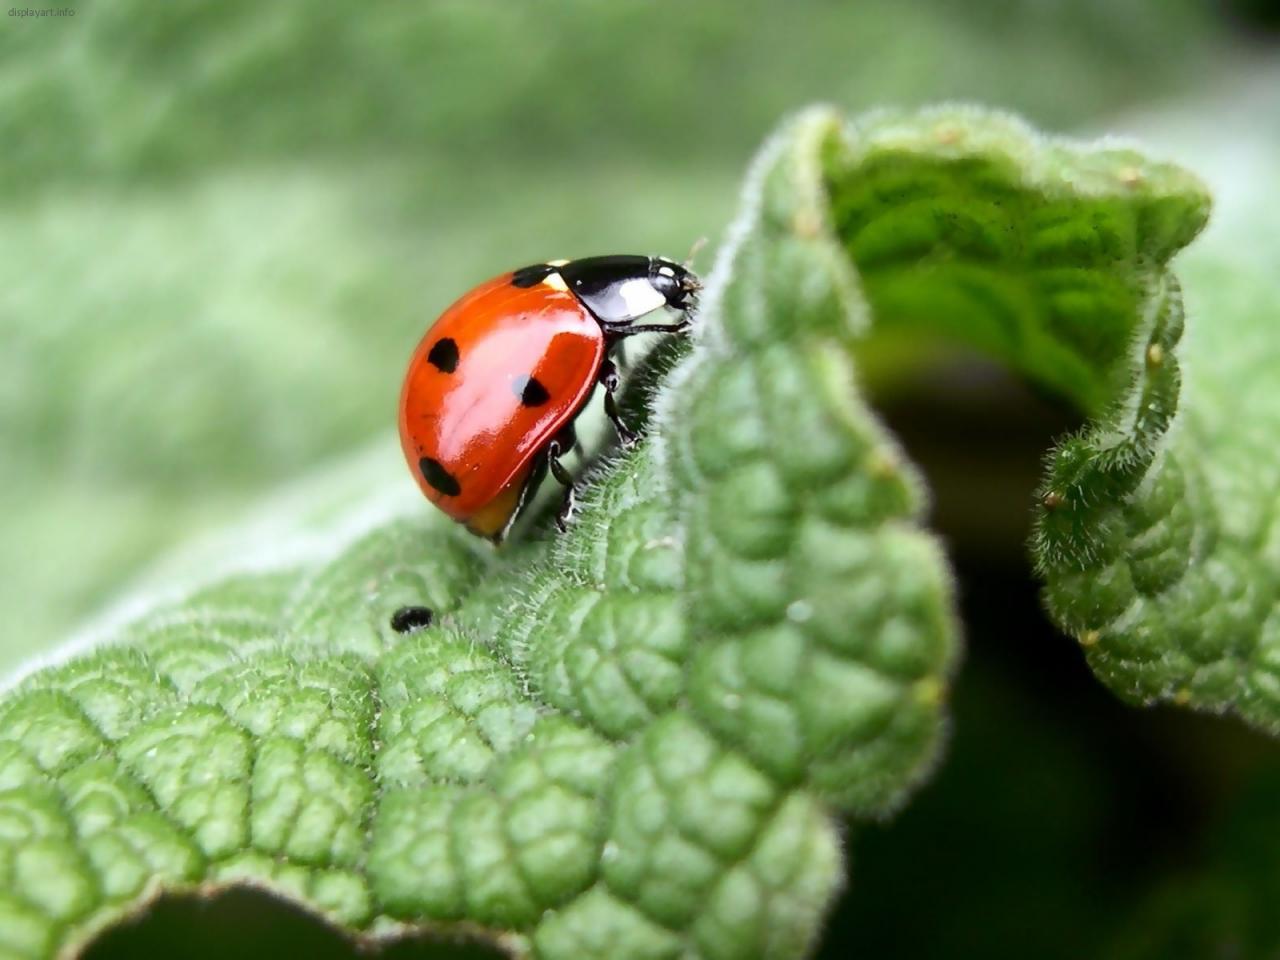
(492, 391)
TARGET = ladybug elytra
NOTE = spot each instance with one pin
(492, 391)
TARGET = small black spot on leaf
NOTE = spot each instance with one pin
(444, 355)
(531, 276)
(440, 478)
(408, 619)
(530, 391)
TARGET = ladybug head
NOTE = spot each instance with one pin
(678, 284)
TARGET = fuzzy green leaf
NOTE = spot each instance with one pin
(1159, 534)
(632, 740)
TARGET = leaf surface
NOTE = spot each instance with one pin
(636, 739)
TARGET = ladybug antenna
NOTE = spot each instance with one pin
(693, 251)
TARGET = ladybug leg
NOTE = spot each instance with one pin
(568, 439)
(609, 378)
(556, 449)
(620, 330)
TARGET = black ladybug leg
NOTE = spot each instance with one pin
(609, 377)
(554, 451)
(568, 439)
(621, 330)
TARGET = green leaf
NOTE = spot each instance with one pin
(1159, 535)
(633, 740)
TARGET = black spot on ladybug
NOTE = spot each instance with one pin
(408, 619)
(439, 477)
(530, 391)
(444, 355)
(531, 276)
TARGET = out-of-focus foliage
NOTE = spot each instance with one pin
(143, 92)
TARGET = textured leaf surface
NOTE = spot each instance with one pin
(1163, 554)
(631, 740)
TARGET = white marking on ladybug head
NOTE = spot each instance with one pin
(640, 296)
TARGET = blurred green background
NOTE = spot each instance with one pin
(224, 227)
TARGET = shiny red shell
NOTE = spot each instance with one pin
(468, 428)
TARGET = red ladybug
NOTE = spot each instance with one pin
(493, 389)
